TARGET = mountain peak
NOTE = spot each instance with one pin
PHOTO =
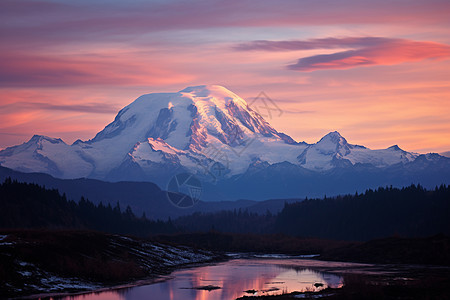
(204, 87)
(194, 130)
(334, 137)
(193, 121)
(213, 92)
(333, 143)
(37, 138)
(333, 134)
(395, 147)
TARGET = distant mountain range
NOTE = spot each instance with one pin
(214, 134)
(140, 196)
(446, 154)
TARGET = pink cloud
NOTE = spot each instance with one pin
(93, 108)
(38, 70)
(366, 51)
(388, 53)
(62, 60)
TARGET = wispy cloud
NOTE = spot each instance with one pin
(125, 69)
(363, 51)
(324, 43)
(97, 108)
(61, 59)
(41, 22)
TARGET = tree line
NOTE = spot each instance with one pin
(385, 212)
(27, 205)
(407, 212)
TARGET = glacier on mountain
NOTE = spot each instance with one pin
(205, 130)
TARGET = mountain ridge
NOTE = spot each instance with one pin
(142, 197)
(205, 130)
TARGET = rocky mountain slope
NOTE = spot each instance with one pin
(214, 134)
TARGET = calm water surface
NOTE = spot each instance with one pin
(267, 276)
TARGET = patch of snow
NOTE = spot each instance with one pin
(25, 273)
(380, 158)
(308, 255)
(312, 296)
(56, 283)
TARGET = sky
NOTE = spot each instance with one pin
(376, 71)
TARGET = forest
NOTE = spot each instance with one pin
(407, 212)
(27, 205)
(385, 212)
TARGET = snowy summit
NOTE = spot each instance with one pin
(205, 130)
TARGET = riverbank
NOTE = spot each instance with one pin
(44, 263)
(433, 250)
(388, 282)
(49, 262)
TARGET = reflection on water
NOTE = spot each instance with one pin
(267, 276)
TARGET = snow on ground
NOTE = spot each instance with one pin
(2, 237)
(153, 258)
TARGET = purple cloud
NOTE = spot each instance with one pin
(43, 22)
(325, 43)
(363, 51)
(340, 60)
(98, 108)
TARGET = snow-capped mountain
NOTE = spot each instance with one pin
(333, 149)
(205, 130)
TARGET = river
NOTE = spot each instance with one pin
(236, 278)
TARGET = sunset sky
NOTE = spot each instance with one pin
(376, 71)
